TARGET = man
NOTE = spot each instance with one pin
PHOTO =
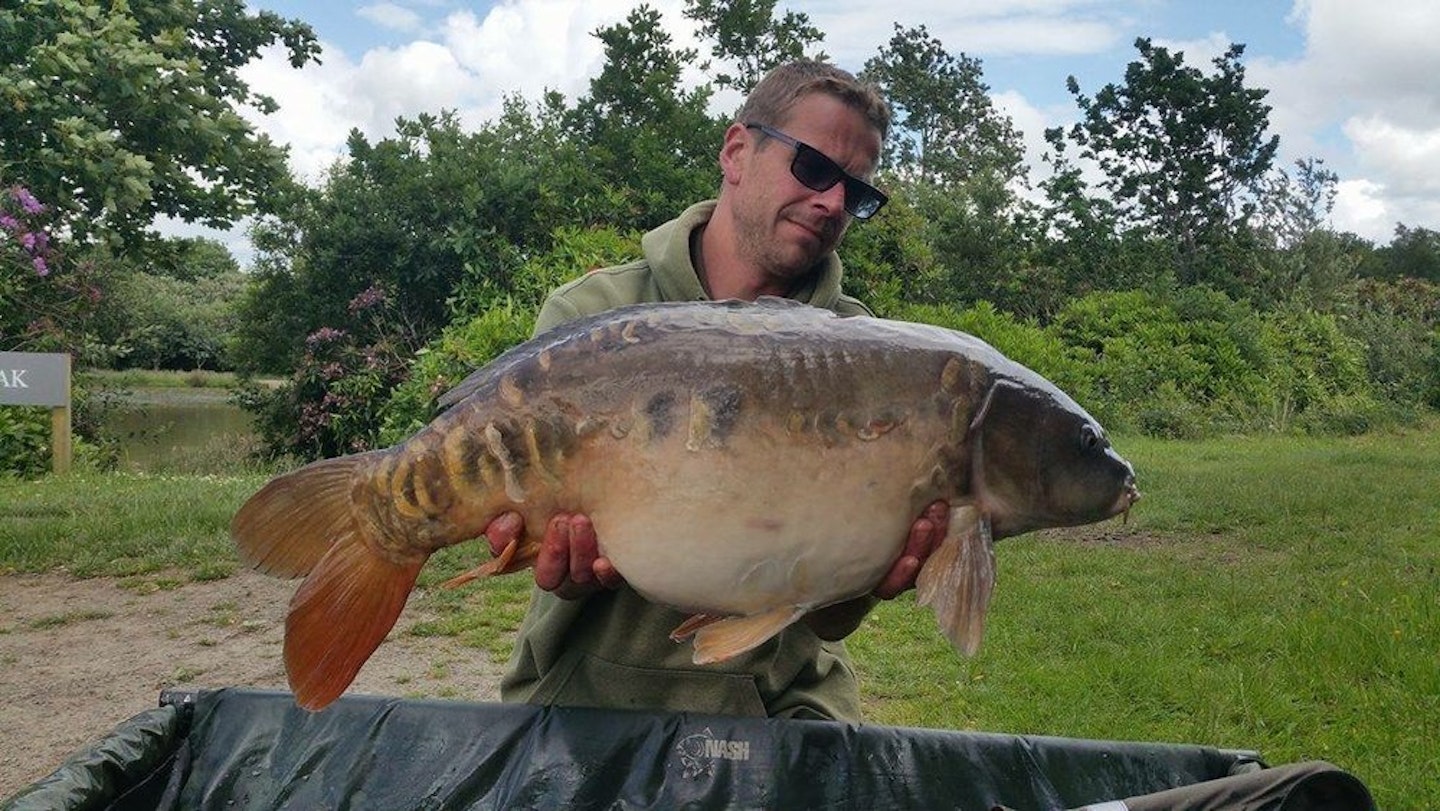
(793, 169)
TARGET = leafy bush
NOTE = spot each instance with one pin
(888, 263)
(503, 322)
(24, 441)
(1317, 375)
(1024, 342)
(331, 405)
(1184, 364)
(460, 350)
(1399, 325)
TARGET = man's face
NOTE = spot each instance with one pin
(785, 227)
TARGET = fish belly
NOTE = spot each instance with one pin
(757, 524)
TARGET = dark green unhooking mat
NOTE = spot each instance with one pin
(238, 749)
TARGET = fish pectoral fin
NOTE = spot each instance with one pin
(959, 577)
(719, 640)
(687, 629)
(339, 616)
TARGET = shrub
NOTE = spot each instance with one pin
(469, 343)
(1317, 374)
(1022, 341)
(24, 441)
(461, 349)
(1184, 364)
(1397, 324)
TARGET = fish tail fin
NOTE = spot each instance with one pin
(958, 579)
(717, 641)
(291, 522)
(306, 523)
(340, 615)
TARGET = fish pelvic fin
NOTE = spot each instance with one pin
(687, 629)
(290, 523)
(716, 641)
(340, 615)
(959, 577)
(518, 555)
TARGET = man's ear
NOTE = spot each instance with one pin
(733, 152)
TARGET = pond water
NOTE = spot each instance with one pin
(174, 429)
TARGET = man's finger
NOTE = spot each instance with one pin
(503, 530)
(584, 549)
(552, 566)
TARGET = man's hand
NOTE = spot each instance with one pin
(925, 535)
(569, 564)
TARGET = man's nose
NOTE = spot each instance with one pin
(832, 199)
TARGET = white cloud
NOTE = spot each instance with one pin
(1363, 98)
(393, 17)
(1409, 157)
(1360, 208)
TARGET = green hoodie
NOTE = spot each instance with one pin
(613, 649)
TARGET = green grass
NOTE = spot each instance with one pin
(1268, 593)
(1272, 593)
(161, 379)
(121, 524)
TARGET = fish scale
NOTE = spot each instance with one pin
(748, 463)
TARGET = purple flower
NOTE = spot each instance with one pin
(9, 223)
(369, 297)
(27, 239)
(26, 200)
(41, 268)
(323, 336)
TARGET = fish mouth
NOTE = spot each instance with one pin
(1129, 494)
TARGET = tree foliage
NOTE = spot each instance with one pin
(746, 35)
(651, 140)
(119, 113)
(946, 128)
(1183, 155)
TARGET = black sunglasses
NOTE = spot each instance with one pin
(815, 170)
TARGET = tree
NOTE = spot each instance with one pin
(649, 139)
(946, 128)
(1413, 253)
(174, 306)
(1182, 152)
(118, 113)
(956, 159)
(746, 33)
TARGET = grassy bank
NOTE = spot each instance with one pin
(161, 379)
(1270, 593)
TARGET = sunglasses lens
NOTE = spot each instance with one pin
(813, 169)
(862, 200)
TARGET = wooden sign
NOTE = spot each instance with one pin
(41, 379)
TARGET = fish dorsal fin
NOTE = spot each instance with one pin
(718, 641)
(959, 577)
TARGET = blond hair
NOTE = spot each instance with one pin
(771, 99)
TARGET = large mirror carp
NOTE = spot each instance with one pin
(747, 463)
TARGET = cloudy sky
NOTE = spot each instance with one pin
(1350, 82)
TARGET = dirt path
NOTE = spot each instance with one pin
(78, 657)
